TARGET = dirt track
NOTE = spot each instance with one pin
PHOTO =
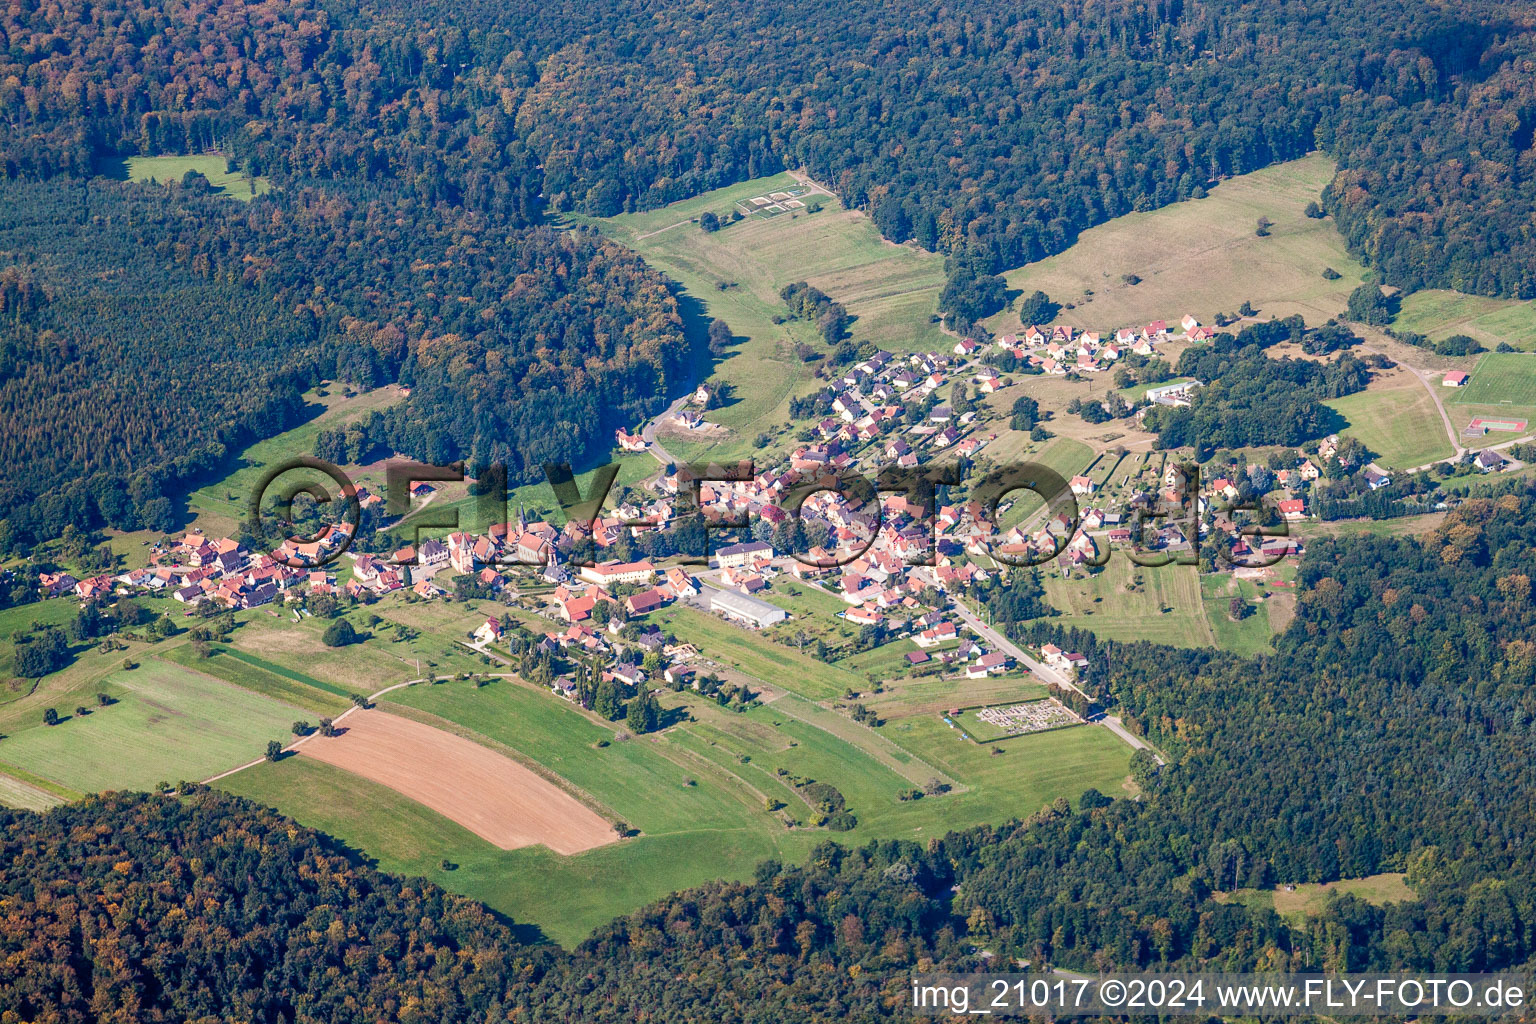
(488, 793)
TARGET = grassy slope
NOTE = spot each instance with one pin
(1166, 607)
(20, 619)
(1440, 314)
(1247, 637)
(1062, 455)
(219, 506)
(1398, 421)
(185, 717)
(1203, 257)
(773, 663)
(717, 827)
(230, 666)
(168, 723)
(892, 291)
(360, 668)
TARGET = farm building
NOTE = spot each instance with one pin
(609, 573)
(746, 609)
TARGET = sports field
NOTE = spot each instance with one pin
(168, 723)
(1396, 419)
(736, 274)
(1203, 257)
(1503, 386)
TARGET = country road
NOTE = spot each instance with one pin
(648, 432)
(1430, 380)
(1048, 674)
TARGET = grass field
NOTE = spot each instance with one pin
(220, 506)
(242, 670)
(1503, 384)
(1030, 772)
(1249, 636)
(735, 274)
(1396, 419)
(167, 724)
(537, 499)
(1128, 602)
(905, 698)
(773, 663)
(1168, 605)
(1309, 898)
(1203, 257)
(23, 789)
(167, 169)
(1406, 526)
(1064, 456)
(1440, 314)
(280, 645)
(698, 792)
(20, 619)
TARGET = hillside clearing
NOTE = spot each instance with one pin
(1203, 256)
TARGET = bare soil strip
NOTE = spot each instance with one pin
(488, 793)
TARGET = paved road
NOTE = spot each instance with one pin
(648, 432)
(1050, 675)
(1510, 463)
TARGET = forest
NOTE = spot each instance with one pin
(1394, 718)
(1251, 399)
(204, 323)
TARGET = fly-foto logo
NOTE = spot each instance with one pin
(1254, 534)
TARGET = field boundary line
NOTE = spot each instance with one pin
(165, 660)
(881, 755)
(43, 785)
(300, 740)
(719, 770)
(542, 770)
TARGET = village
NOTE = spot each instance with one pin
(899, 570)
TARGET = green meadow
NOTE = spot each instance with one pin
(1203, 256)
(736, 273)
(164, 170)
(167, 723)
(711, 795)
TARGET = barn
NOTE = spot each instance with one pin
(745, 609)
